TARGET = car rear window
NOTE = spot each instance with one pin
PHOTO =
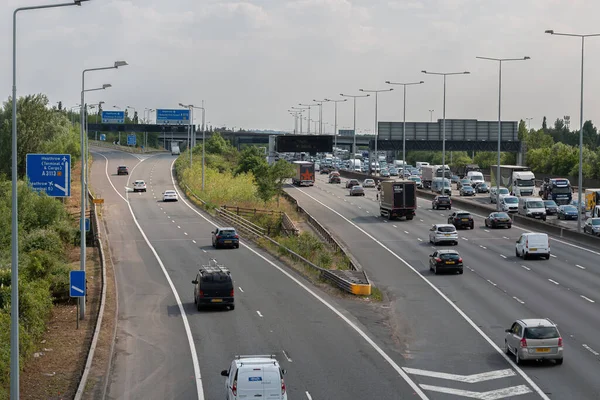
(227, 232)
(541, 332)
(463, 215)
(446, 229)
(449, 256)
(442, 199)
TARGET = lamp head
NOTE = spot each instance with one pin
(423, 71)
(78, 2)
(422, 82)
(120, 64)
(466, 72)
(106, 85)
(361, 90)
(388, 82)
(100, 103)
(526, 58)
(550, 31)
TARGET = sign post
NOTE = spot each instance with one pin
(77, 288)
(49, 173)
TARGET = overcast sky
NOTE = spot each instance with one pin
(252, 60)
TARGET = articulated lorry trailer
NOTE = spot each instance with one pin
(305, 173)
(519, 180)
(430, 172)
(398, 199)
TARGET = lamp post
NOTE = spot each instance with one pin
(500, 60)
(301, 117)
(116, 65)
(431, 115)
(296, 115)
(203, 138)
(580, 180)
(376, 122)
(134, 111)
(191, 110)
(354, 97)
(335, 132)
(320, 103)
(404, 85)
(444, 74)
(14, 288)
(309, 106)
(87, 138)
(528, 123)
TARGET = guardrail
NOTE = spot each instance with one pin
(128, 149)
(354, 282)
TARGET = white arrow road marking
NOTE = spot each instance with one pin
(475, 378)
(77, 289)
(491, 395)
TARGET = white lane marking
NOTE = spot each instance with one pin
(241, 290)
(394, 226)
(385, 220)
(441, 214)
(588, 348)
(173, 221)
(359, 207)
(553, 281)
(351, 324)
(579, 266)
(185, 233)
(186, 324)
(178, 226)
(286, 356)
(419, 239)
(519, 300)
(483, 247)
(505, 237)
(500, 351)
(486, 230)
(259, 314)
(474, 378)
(421, 220)
(308, 396)
(464, 238)
(502, 255)
(492, 283)
(204, 250)
(491, 395)
(587, 298)
(193, 241)
(345, 200)
(552, 255)
(406, 232)
(527, 268)
(368, 211)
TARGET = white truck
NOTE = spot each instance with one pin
(519, 180)
(430, 172)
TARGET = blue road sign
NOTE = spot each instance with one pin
(87, 224)
(131, 140)
(173, 117)
(102, 136)
(77, 284)
(50, 173)
(113, 117)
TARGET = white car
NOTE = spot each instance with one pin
(509, 204)
(368, 183)
(170, 195)
(440, 233)
(139, 186)
(494, 197)
(251, 377)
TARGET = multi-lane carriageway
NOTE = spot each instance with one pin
(419, 345)
(455, 323)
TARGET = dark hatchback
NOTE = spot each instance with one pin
(551, 207)
(482, 187)
(122, 170)
(225, 237)
(441, 202)
(445, 260)
(498, 219)
(567, 212)
(461, 219)
(467, 190)
(213, 287)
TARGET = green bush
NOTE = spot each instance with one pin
(35, 305)
(43, 239)
(59, 283)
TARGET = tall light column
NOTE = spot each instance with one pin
(82, 261)
(190, 108)
(203, 137)
(354, 97)
(500, 60)
(320, 102)
(444, 74)
(376, 123)
(431, 115)
(301, 117)
(309, 106)
(14, 248)
(404, 85)
(87, 140)
(335, 131)
(528, 123)
(580, 180)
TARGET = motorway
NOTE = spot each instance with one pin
(446, 319)
(166, 349)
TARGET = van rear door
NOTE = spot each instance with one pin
(272, 383)
(538, 241)
(250, 383)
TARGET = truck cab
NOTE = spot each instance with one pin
(557, 189)
(523, 183)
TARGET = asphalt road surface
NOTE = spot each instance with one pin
(157, 248)
(496, 289)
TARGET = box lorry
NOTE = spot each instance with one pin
(592, 201)
(398, 199)
(429, 172)
(519, 180)
(304, 174)
(557, 189)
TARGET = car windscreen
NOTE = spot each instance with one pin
(511, 200)
(561, 190)
(501, 215)
(570, 209)
(446, 229)
(525, 182)
(503, 191)
(541, 332)
(449, 256)
(443, 199)
(535, 204)
(595, 221)
(549, 203)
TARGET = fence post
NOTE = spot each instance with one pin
(237, 210)
(268, 231)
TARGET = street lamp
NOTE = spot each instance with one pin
(354, 97)
(296, 115)
(301, 117)
(335, 132)
(320, 102)
(190, 108)
(580, 183)
(309, 106)
(431, 115)
(500, 60)
(14, 266)
(116, 65)
(444, 74)
(404, 122)
(376, 123)
(528, 123)
(134, 111)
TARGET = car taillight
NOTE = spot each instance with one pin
(234, 388)
(201, 294)
(438, 259)
(523, 342)
(237, 236)
(231, 293)
(559, 342)
(460, 260)
(282, 387)
(218, 237)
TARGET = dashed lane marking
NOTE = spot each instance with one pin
(519, 300)
(259, 314)
(579, 266)
(587, 298)
(527, 268)
(553, 281)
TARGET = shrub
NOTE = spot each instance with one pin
(35, 304)
(43, 239)
(59, 283)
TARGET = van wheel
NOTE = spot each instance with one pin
(199, 307)
(525, 255)
(516, 253)
(559, 361)
(548, 257)
(232, 307)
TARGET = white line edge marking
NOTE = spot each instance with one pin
(519, 300)
(587, 298)
(259, 314)
(527, 268)
(308, 396)
(188, 331)
(490, 395)
(473, 378)
(579, 266)
(370, 341)
(286, 356)
(502, 255)
(588, 348)
(552, 255)
(419, 239)
(553, 281)
(241, 290)
(492, 283)
(500, 351)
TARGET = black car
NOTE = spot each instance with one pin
(567, 211)
(351, 182)
(225, 237)
(498, 219)
(551, 207)
(482, 187)
(122, 170)
(445, 260)
(441, 202)
(461, 219)
(325, 170)
(213, 286)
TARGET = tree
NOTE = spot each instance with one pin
(544, 125)
(522, 130)
(217, 144)
(60, 106)
(135, 117)
(538, 139)
(251, 159)
(270, 178)
(281, 171)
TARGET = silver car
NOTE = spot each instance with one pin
(534, 339)
(368, 183)
(357, 190)
(443, 233)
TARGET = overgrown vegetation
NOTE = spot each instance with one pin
(46, 231)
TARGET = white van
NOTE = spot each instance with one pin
(251, 377)
(175, 150)
(420, 164)
(532, 207)
(475, 177)
(533, 244)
